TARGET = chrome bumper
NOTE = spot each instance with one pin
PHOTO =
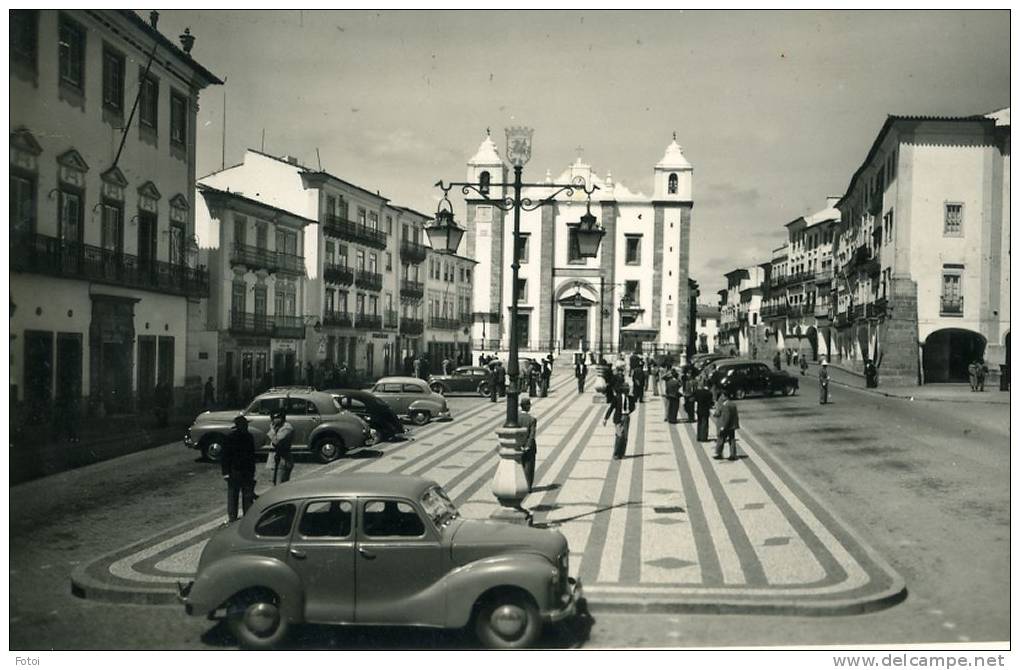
(575, 604)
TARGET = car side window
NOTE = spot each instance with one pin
(276, 521)
(352, 403)
(388, 388)
(413, 388)
(327, 518)
(266, 406)
(391, 518)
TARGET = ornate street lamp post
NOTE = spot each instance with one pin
(509, 485)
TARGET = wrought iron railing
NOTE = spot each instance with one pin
(42, 254)
(442, 323)
(412, 252)
(273, 261)
(292, 327)
(413, 290)
(338, 274)
(411, 326)
(371, 281)
(952, 305)
(343, 319)
(251, 324)
(368, 322)
(337, 226)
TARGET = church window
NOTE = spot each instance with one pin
(672, 184)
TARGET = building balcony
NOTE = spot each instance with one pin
(951, 306)
(879, 307)
(442, 323)
(257, 258)
(246, 323)
(412, 290)
(370, 281)
(840, 321)
(338, 274)
(390, 318)
(341, 319)
(291, 327)
(822, 310)
(337, 226)
(774, 311)
(411, 326)
(41, 254)
(412, 252)
(466, 319)
(368, 322)
(628, 305)
(858, 311)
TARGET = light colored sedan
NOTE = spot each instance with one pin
(412, 397)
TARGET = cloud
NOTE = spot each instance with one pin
(726, 194)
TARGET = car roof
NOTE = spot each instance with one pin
(360, 484)
(737, 361)
(293, 393)
(354, 393)
(400, 380)
(472, 367)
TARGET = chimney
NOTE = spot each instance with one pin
(831, 200)
(153, 18)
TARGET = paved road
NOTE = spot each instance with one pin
(927, 485)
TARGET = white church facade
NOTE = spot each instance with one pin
(638, 282)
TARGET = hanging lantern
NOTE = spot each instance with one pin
(444, 233)
(587, 235)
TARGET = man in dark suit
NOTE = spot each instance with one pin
(672, 397)
(639, 377)
(581, 372)
(727, 421)
(621, 406)
(238, 467)
(526, 420)
(703, 399)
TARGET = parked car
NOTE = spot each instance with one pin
(411, 397)
(744, 378)
(379, 549)
(465, 379)
(373, 411)
(321, 426)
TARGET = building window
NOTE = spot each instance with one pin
(343, 256)
(373, 221)
(954, 219)
(389, 224)
(330, 300)
(361, 216)
(373, 305)
(574, 248)
(178, 119)
(359, 301)
(952, 294)
(522, 290)
(22, 205)
(112, 233)
(888, 226)
(632, 292)
(71, 54)
(403, 233)
(633, 250)
(672, 187)
(238, 297)
(389, 262)
(330, 254)
(704, 323)
(523, 248)
(342, 300)
(240, 230)
(24, 36)
(70, 216)
(523, 330)
(262, 235)
(113, 80)
(373, 262)
(359, 258)
(177, 244)
(148, 103)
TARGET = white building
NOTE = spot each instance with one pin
(640, 274)
(922, 250)
(707, 328)
(103, 263)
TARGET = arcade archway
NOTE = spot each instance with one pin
(948, 352)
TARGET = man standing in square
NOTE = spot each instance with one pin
(727, 421)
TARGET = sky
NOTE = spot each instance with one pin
(775, 110)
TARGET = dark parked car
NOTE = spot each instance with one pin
(320, 425)
(744, 378)
(466, 379)
(377, 549)
(373, 411)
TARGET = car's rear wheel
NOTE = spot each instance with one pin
(328, 448)
(255, 619)
(437, 388)
(508, 620)
(212, 448)
(740, 394)
(787, 390)
(483, 389)
(419, 418)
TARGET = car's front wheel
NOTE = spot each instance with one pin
(255, 619)
(508, 620)
(212, 448)
(740, 394)
(419, 418)
(483, 389)
(787, 390)
(328, 448)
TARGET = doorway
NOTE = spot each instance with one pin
(146, 368)
(38, 374)
(948, 352)
(575, 328)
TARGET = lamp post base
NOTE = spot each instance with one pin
(509, 484)
(515, 515)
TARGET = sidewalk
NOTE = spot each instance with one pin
(931, 392)
(36, 451)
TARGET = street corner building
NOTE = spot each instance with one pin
(104, 266)
(634, 295)
(909, 268)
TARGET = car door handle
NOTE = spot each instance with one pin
(297, 553)
(366, 553)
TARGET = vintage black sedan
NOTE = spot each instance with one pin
(465, 379)
(744, 378)
(373, 411)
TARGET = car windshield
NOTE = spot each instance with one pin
(438, 506)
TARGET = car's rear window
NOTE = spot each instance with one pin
(387, 388)
(413, 388)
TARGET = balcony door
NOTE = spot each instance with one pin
(146, 241)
